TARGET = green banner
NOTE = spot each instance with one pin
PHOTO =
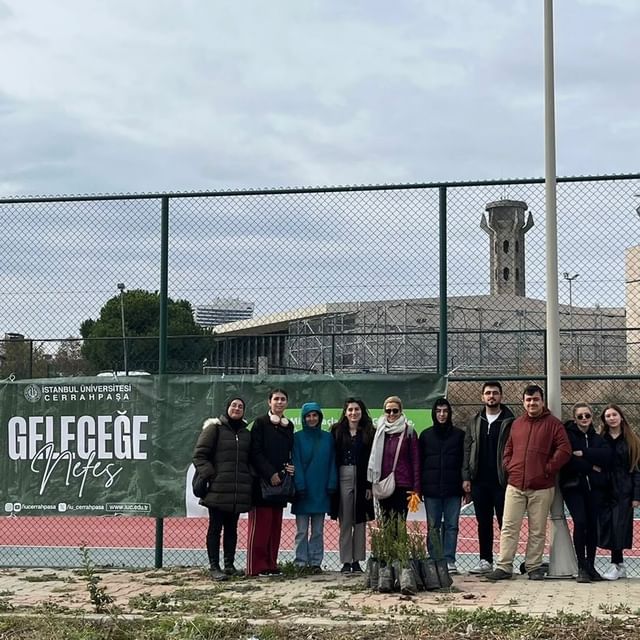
(90, 446)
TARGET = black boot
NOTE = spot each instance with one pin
(583, 576)
(593, 574)
(230, 570)
(216, 573)
(229, 567)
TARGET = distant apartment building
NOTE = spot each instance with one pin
(223, 310)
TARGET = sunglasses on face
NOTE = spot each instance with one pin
(583, 416)
(392, 411)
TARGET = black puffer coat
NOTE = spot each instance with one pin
(615, 520)
(441, 454)
(578, 474)
(271, 449)
(222, 455)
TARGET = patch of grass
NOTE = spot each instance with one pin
(50, 607)
(62, 589)
(44, 577)
(615, 609)
(146, 602)
(5, 605)
(444, 597)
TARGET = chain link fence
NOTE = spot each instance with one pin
(348, 279)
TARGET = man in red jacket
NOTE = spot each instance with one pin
(536, 450)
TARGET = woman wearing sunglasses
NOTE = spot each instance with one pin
(394, 429)
(582, 481)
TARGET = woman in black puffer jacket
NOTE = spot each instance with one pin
(582, 481)
(221, 455)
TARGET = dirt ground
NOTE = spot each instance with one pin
(328, 598)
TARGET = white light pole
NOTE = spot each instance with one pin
(570, 278)
(562, 557)
(124, 334)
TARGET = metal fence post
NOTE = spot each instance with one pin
(163, 343)
(30, 359)
(443, 337)
(333, 353)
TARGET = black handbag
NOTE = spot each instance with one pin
(284, 491)
(199, 485)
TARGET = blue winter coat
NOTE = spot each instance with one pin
(314, 460)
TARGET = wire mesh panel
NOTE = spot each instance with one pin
(319, 280)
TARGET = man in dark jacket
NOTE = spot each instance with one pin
(441, 452)
(536, 450)
(482, 471)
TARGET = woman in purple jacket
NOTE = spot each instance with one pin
(390, 427)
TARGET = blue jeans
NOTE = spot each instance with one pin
(309, 548)
(442, 527)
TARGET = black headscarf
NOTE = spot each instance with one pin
(236, 424)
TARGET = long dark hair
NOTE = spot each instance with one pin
(632, 440)
(340, 429)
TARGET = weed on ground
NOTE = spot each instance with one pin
(481, 624)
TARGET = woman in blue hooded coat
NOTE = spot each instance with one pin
(315, 479)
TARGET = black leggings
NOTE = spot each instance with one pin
(616, 556)
(582, 505)
(219, 520)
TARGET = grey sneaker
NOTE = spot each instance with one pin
(484, 566)
(452, 568)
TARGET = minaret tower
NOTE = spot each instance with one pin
(506, 225)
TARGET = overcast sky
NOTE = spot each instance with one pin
(116, 96)
(121, 95)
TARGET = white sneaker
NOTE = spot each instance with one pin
(484, 566)
(614, 572)
(452, 568)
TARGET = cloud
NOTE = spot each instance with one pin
(153, 96)
(169, 96)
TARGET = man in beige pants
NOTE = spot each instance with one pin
(536, 450)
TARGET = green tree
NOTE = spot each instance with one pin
(23, 358)
(68, 359)
(103, 343)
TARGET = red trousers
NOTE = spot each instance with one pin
(263, 539)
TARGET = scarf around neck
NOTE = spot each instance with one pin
(383, 427)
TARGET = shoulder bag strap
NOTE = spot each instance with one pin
(395, 460)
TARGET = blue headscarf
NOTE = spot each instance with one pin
(307, 408)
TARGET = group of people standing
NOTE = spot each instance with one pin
(512, 465)
(328, 471)
(506, 465)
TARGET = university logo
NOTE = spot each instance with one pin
(32, 393)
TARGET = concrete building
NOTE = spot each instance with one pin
(499, 333)
(223, 310)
